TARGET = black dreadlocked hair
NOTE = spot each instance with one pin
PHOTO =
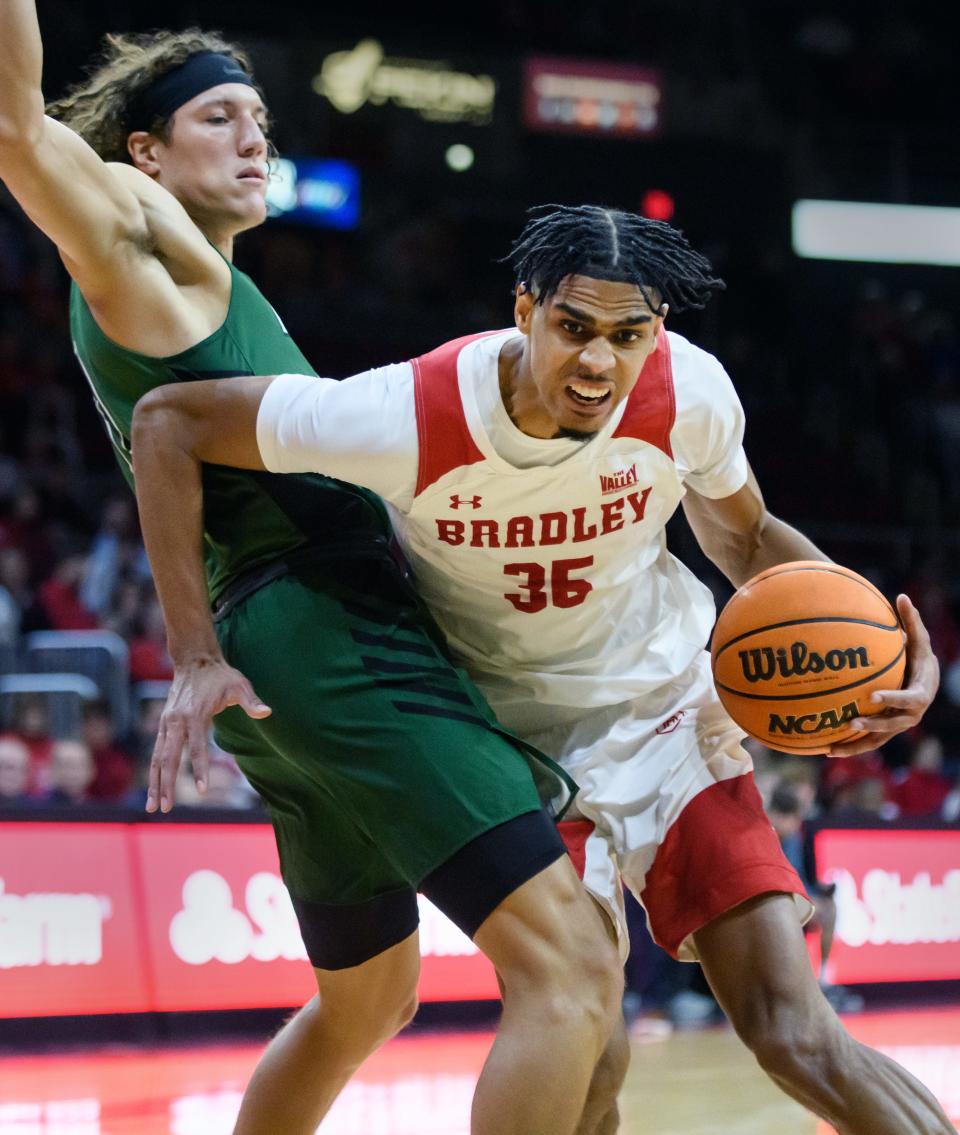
(608, 244)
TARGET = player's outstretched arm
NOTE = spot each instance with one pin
(742, 538)
(175, 430)
(64, 187)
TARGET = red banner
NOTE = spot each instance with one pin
(111, 918)
(70, 927)
(898, 903)
(114, 918)
(220, 929)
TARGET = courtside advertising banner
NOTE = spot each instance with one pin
(71, 925)
(898, 903)
(110, 918)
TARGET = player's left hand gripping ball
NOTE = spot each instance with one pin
(903, 708)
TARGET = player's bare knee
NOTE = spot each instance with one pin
(569, 981)
(611, 1069)
(363, 1019)
(403, 1014)
(596, 979)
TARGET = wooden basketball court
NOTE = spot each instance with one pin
(687, 1083)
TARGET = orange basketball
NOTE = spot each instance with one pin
(798, 651)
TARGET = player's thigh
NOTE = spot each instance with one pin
(548, 934)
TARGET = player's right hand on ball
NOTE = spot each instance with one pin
(199, 691)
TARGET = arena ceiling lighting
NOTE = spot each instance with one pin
(880, 234)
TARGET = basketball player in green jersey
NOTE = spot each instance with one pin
(383, 769)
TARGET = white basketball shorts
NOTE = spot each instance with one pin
(668, 803)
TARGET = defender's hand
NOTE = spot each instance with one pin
(199, 691)
(905, 707)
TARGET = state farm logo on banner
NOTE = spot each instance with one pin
(212, 926)
(886, 908)
(221, 929)
(898, 903)
(51, 929)
(208, 927)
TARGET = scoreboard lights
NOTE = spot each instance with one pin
(877, 234)
(314, 191)
(585, 97)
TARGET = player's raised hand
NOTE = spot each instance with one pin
(199, 691)
(903, 708)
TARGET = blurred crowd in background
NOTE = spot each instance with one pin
(850, 375)
(859, 446)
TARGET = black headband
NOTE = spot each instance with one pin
(174, 88)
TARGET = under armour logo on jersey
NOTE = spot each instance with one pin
(456, 501)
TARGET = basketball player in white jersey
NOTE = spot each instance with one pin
(531, 473)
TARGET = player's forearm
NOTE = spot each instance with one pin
(170, 498)
(773, 542)
(21, 63)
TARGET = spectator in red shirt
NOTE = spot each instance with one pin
(31, 726)
(73, 770)
(921, 789)
(113, 765)
(149, 660)
(59, 597)
(842, 776)
(14, 772)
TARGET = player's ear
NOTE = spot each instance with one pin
(142, 148)
(662, 311)
(522, 307)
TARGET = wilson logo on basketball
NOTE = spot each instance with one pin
(762, 663)
(806, 723)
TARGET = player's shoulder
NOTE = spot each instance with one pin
(690, 362)
(482, 342)
(698, 376)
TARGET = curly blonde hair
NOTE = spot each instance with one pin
(98, 107)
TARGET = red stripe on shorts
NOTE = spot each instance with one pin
(720, 852)
(575, 834)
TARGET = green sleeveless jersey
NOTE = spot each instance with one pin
(249, 518)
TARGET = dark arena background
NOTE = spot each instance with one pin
(144, 961)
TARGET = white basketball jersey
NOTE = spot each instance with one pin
(549, 576)
(553, 583)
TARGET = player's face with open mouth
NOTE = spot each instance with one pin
(587, 345)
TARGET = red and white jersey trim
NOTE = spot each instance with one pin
(543, 561)
(652, 406)
(445, 439)
(446, 442)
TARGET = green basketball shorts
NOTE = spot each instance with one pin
(380, 762)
